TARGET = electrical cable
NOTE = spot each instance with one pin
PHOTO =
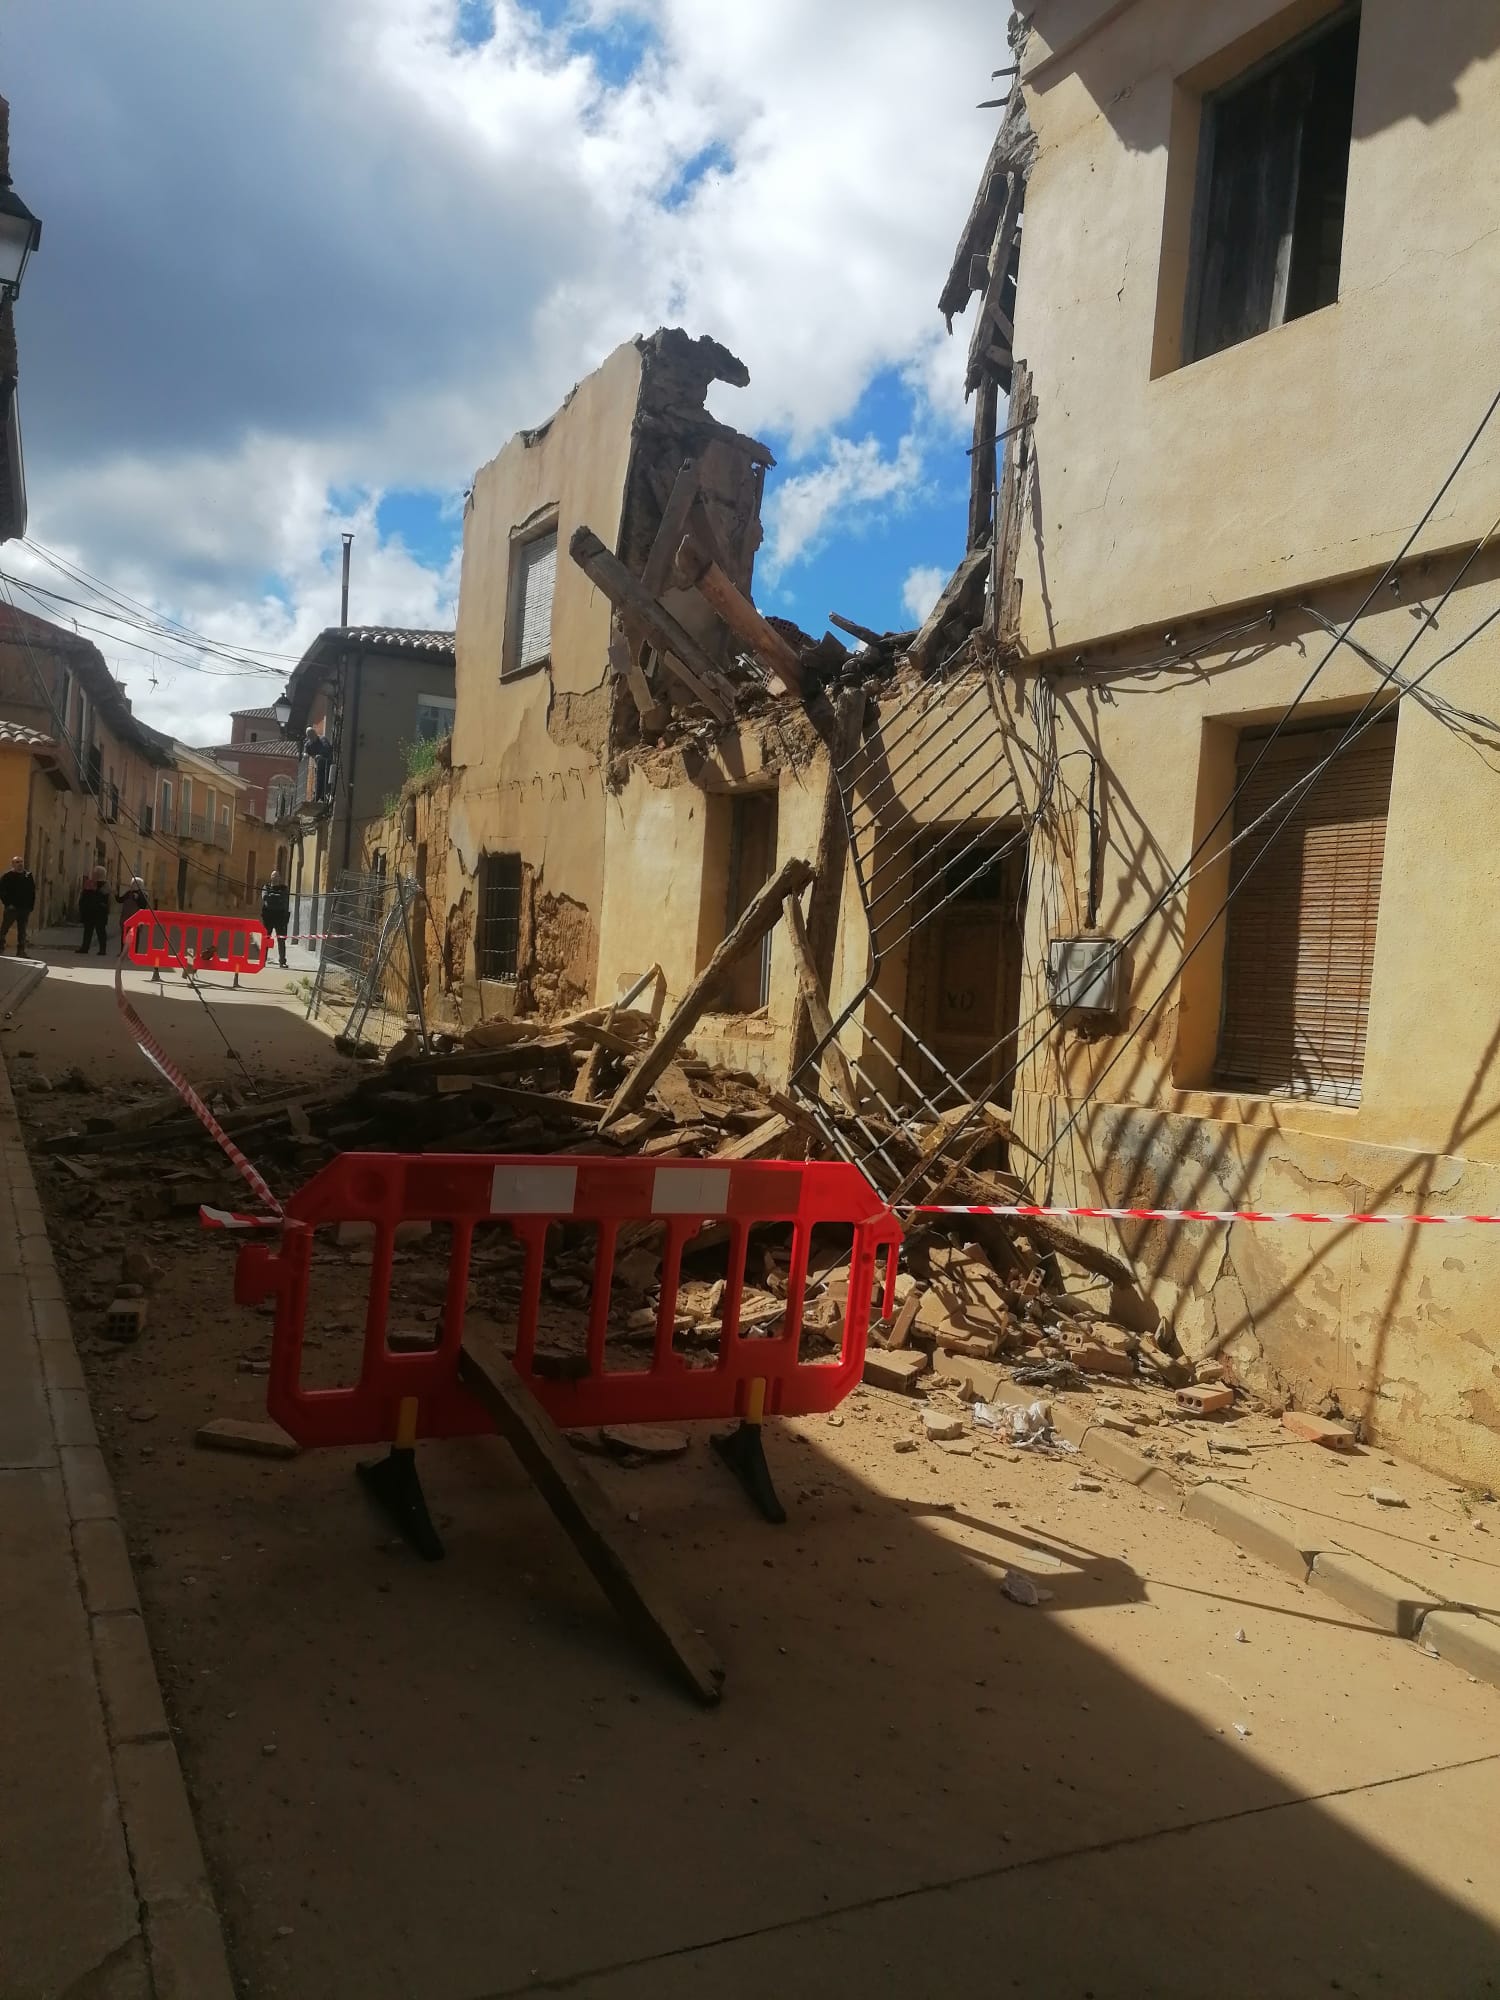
(1374, 711)
(113, 594)
(235, 667)
(1183, 875)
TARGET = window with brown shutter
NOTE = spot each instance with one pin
(1299, 947)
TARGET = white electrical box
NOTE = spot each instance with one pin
(1085, 975)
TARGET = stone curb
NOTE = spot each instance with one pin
(184, 1937)
(1465, 1638)
(1389, 1602)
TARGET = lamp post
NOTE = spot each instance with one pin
(281, 708)
(20, 230)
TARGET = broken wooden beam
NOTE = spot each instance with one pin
(760, 917)
(815, 1006)
(764, 1142)
(697, 570)
(959, 595)
(657, 572)
(585, 1512)
(684, 658)
(982, 463)
(625, 665)
(825, 903)
(1010, 513)
(989, 305)
(863, 633)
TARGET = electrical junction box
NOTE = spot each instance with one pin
(1085, 975)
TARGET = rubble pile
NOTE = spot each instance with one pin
(973, 1291)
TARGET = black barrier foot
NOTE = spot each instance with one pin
(392, 1481)
(743, 1450)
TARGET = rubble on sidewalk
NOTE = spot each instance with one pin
(1018, 1298)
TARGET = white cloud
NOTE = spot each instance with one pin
(921, 590)
(299, 256)
(850, 483)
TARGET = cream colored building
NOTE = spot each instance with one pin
(1237, 266)
(1256, 285)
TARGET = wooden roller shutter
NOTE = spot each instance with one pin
(1300, 931)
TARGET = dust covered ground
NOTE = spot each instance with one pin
(459, 1780)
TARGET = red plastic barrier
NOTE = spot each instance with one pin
(157, 938)
(752, 1371)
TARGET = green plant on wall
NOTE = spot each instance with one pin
(421, 757)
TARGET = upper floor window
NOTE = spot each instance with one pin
(1273, 171)
(434, 717)
(533, 580)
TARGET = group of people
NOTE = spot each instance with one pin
(93, 908)
(18, 900)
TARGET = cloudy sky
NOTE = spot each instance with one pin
(306, 266)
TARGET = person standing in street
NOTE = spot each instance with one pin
(275, 911)
(93, 907)
(17, 901)
(132, 903)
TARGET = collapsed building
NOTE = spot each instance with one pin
(1140, 868)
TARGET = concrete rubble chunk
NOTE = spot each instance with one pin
(1199, 1399)
(897, 1369)
(261, 1440)
(1330, 1432)
(943, 1426)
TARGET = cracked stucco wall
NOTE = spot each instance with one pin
(1397, 1325)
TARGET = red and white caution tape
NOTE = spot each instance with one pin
(1191, 1215)
(157, 1056)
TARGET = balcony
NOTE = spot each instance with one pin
(201, 826)
(166, 819)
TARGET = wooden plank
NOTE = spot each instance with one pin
(657, 573)
(863, 633)
(982, 463)
(1005, 236)
(965, 582)
(584, 1511)
(826, 901)
(760, 1144)
(815, 1002)
(623, 661)
(544, 1103)
(699, 572)
(760, 917)
(541, 1052)
(683, 656)
(905, 1320)
(1005, 604)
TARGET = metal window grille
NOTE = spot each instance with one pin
(534, 583)
(499, 941)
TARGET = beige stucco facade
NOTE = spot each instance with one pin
(1311, 451)
(537, 766)
(1173, 503)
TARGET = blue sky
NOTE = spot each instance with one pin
(334, 291)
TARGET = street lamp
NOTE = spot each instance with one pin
(281, 708)
(20, 233)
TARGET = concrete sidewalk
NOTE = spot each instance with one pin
(102, 1886)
